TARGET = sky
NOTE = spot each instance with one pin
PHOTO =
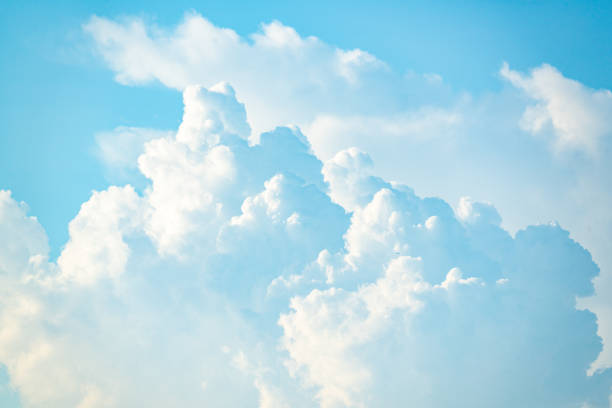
(310, 205)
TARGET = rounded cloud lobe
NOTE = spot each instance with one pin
(255, 275)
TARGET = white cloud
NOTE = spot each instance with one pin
(283, 77)
(424, 330)
(382, 305)
(211, 115)
(97, 248)
(455, 277)
(580, 117)
(324, 326)
(384, 298)
(349, 176)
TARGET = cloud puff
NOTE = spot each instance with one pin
(325, 325)
(96, 248)
(579, 117)
(255, 275)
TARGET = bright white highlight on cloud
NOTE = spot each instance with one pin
(257, 276)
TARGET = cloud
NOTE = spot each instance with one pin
(197, 42)
(96, 248)
(349, 177)
(325, 325)
(277, 280)
(283, 77)
(423, 332)
(578, 116)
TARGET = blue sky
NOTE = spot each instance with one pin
(305, 265)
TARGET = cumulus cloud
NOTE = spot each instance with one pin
(418, 130)
(425, 333)
(578, 116)
(248, 272)
(325, 325)
(256, 275)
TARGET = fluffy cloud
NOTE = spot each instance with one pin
(97, 248)
(25, 242)
(578, 116)
(325, 325)
(255, 275)
(424, 334)
(418, 129)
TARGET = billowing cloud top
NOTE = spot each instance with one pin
(255, 275)
(540, 147)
